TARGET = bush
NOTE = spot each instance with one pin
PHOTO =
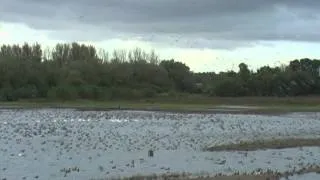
(63, 93)
(29, 91)
(149, 93)
(229, 88)
(8, 94)
(132, 94)
(85, 92)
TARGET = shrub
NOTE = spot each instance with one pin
(63, 93)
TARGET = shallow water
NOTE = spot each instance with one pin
(40, 143)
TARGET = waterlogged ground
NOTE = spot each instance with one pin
(70, 144)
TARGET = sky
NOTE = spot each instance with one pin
(207, 35)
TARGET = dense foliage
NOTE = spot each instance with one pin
(71, 71)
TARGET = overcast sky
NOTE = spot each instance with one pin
(205, 34)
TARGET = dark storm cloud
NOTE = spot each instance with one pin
(203, 23)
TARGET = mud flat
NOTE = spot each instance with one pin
(71, 144)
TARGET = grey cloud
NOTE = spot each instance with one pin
(202, 23)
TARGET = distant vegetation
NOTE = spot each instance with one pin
(75, 71)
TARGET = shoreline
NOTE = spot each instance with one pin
(193, 104)
(171, 110)
(175, 108)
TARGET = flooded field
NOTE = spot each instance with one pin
(71, 144)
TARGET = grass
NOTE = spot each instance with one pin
(184, 103)
(197, 104)
(267, 144)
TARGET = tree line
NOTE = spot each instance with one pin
(77, 71)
